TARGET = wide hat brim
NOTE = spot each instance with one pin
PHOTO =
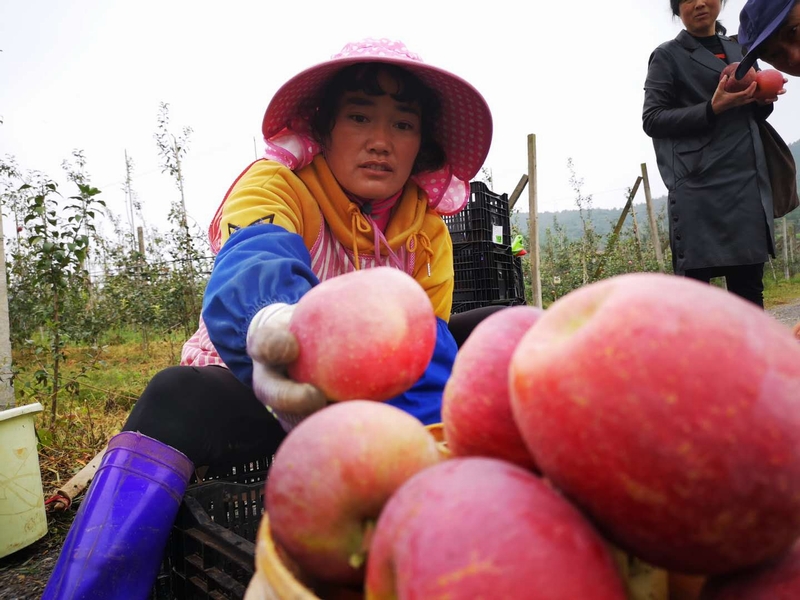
(464, 128)
(754, 47)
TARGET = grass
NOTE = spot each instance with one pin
(92, 408)
(780, 292)
(93, 405)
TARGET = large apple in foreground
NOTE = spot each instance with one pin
(476, 409)
(669, 410)
(331, 477)
(484, 528)
(365, 335)
(777, 580)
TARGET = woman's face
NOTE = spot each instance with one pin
(374, 142)
(700, 16)
(782, 49)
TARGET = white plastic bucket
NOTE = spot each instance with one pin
(22, 516)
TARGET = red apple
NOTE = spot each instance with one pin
(366, 335)
(770, 82)
(777, 580)
(668, 410)
(484, 528)
(332, 476)
(737, 85)
(476, 409)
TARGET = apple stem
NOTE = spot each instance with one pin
(357, 559)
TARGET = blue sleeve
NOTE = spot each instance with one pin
(424, 399)
(258, 265)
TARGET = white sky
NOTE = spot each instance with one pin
(89, 74)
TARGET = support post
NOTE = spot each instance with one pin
(652, 217)
(533, 221)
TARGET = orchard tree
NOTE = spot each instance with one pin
(172, 149)
(56, 245)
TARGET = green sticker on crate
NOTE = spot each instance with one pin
(497, 234)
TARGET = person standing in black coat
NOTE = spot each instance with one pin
(710, 155)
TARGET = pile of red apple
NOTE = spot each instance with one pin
(647, 412)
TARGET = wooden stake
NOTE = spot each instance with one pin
(64, 496)
(637, 238)
(786, 273)
(617, 228)
(523, 181)
(533, 223)
(7, 399)
(652, 217)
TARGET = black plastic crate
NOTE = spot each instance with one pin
(465, 306)
(211, 549)
(484, 214)
(213, 542)
(485, 274)
(249, 472)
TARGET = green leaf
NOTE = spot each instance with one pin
(45, 437)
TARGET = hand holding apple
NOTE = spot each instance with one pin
(734, 85)
(365, 335)
(770, 84)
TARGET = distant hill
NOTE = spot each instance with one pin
(605, 219)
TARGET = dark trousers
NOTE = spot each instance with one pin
(746, 281)
(215, 420)
(208, 414)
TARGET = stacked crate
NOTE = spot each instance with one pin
(486, 273)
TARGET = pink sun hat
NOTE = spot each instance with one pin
(464, 128)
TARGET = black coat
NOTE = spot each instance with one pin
(720, 201)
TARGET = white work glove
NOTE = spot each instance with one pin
(272, 346)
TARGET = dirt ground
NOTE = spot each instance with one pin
(788, 314)
(23, 575)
